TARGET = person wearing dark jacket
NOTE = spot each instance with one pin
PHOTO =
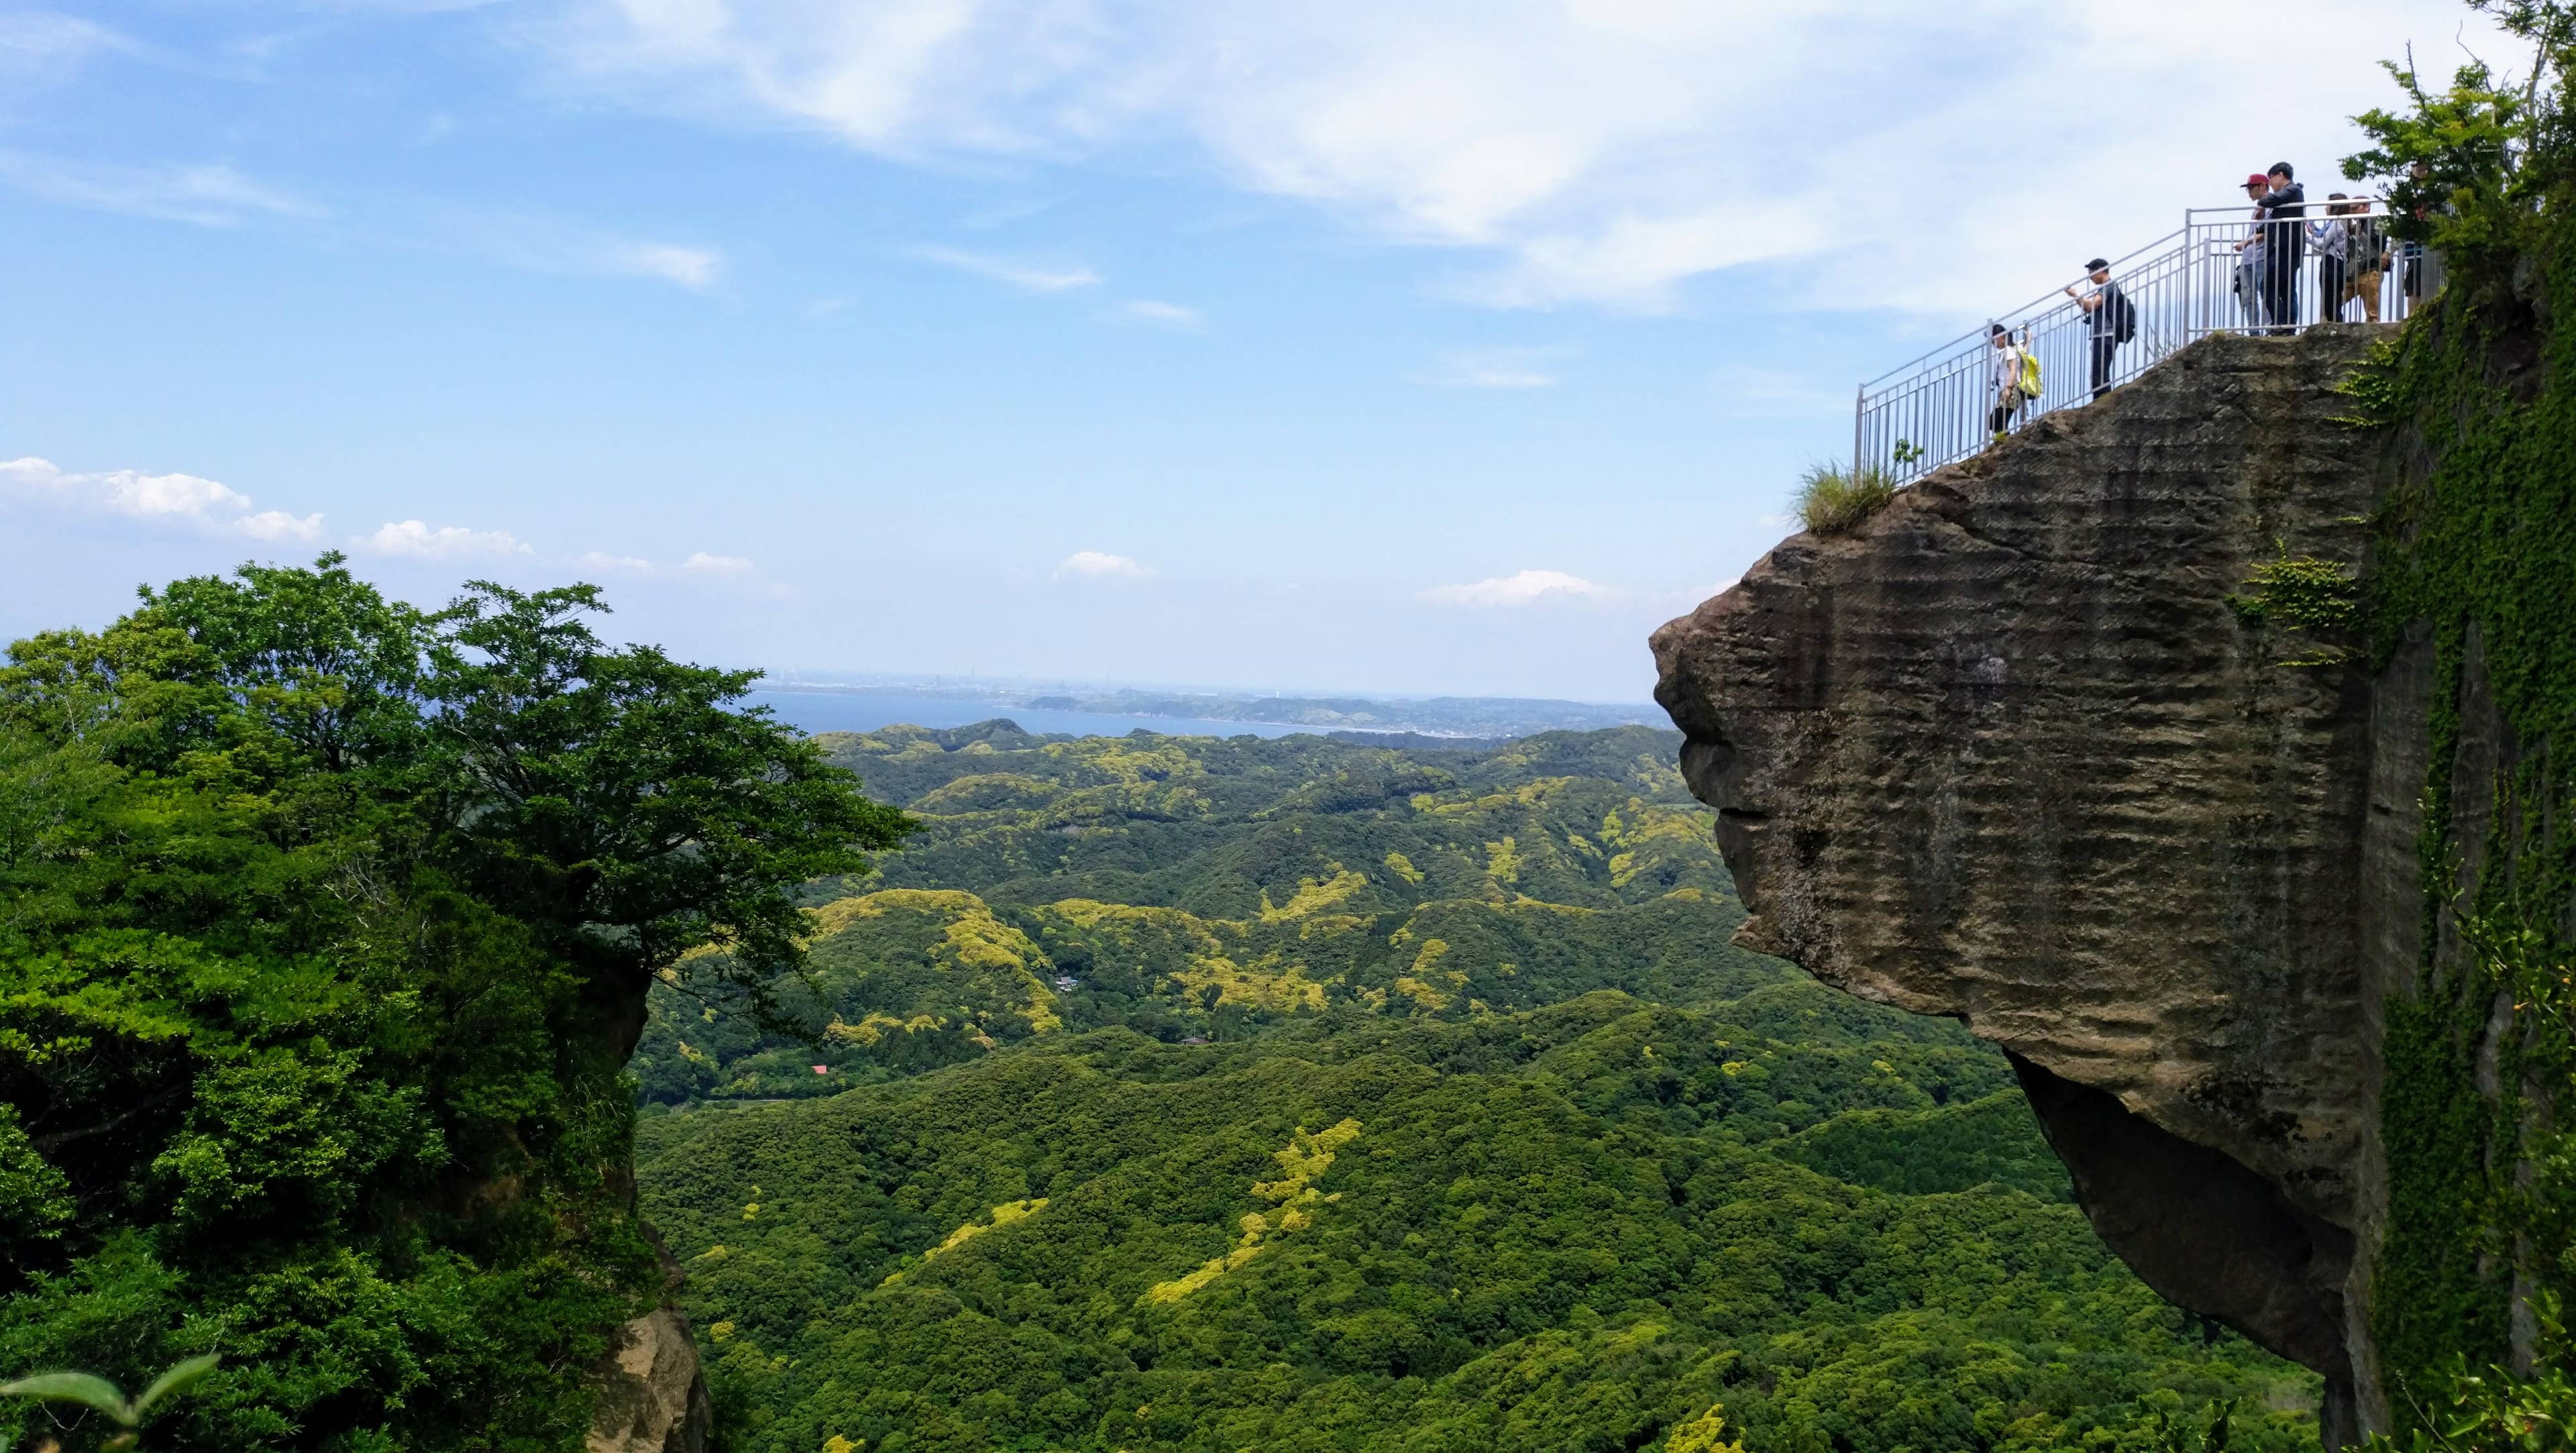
(2285, 214)
(2107, 315)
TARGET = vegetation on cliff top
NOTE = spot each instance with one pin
(2477, 546)
(324, 929)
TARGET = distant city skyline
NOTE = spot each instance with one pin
(1384, 348)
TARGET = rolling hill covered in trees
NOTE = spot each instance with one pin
(1187, 1094)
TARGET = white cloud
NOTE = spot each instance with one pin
(703, 563)
(1170, 315)
(1503, 368)
(599, 560)
(1599, 151)
(279, 525)
(1506, 591)
(123, 491)
(1027, 277)
(1098, 565)
(136, 495)
(207, 195)
(415, 540)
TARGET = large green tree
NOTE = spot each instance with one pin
(325, 930)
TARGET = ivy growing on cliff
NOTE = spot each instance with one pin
(2475, 558)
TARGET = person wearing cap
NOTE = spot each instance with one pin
(2249, 259)
(2106, 309)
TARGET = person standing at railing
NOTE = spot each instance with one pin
(2009, 367)
(2285, 215)
(2330, 237)
(2110, 319)
(2366, 253)
(2249, 256)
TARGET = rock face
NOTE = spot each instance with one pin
(652, 1398)
(2006, 753)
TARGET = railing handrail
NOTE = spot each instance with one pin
(2375, 208)
(2370, 207)
(1950, 402)
(2053, 296)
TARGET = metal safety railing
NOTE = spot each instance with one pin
(2222, 272)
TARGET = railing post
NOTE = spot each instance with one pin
(2190, 279)
(1860, 406)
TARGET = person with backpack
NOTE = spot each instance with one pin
(2330, 238)
(2366, 253)
(2112, 319)
(2012, 379)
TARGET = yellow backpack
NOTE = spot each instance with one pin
(2029, 372)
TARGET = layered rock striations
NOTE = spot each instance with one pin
(2007, 753)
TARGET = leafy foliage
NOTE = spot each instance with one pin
(1552, 1229)
(2303, 593)
(2476, 549)
(1403, 1098)
(1188, 887)
(324, 930)
(106, 1398)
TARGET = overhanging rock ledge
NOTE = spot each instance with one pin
(2006, 753)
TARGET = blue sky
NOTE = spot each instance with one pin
(1404, 347)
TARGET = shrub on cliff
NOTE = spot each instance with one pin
(1834, 501)
(325, 926)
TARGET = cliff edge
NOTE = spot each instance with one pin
(2008, 753)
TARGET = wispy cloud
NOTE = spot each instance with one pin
(1509, 591)
(599, 560)
(690, 267)
(136, 495)
(1744, 391)
(1099, 565)
(207, 195)
(1503, 368)
(1170, 315)
(1602, 152)
(702, 563)
(214, 194)
(34, 43)
(1027, 277)
(543, 243)
(414, 540)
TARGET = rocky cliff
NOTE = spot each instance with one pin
(2008, 753)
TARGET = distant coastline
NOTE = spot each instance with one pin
(1115, 711)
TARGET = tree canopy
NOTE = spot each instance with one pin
(325, 928)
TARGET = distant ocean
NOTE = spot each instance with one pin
(861, 711)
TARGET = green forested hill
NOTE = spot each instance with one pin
(1184, 1094)
(1191, 887)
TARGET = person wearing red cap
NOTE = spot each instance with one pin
(2249, 260)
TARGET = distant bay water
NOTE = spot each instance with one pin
(864, 711)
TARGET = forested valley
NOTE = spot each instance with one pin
(1143, 1093)
(1194, 1094)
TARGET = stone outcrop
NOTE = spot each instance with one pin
(652, 1396)
(2006, 753)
